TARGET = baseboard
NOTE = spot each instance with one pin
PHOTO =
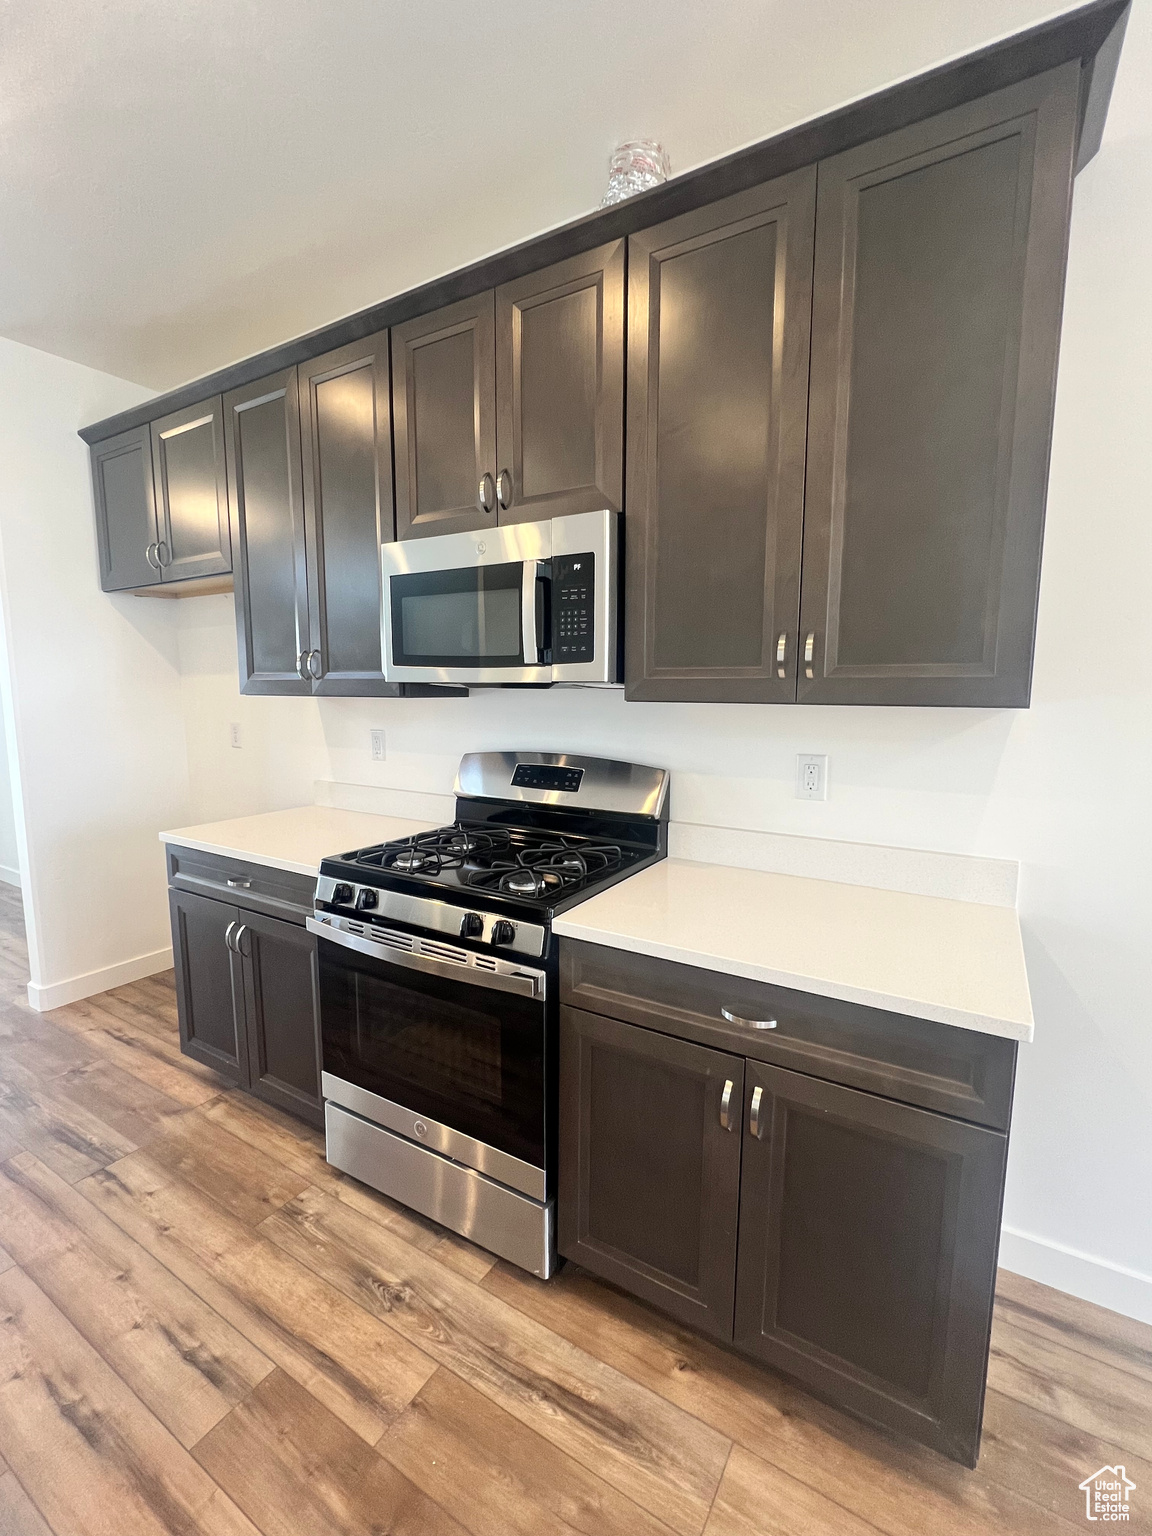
(1080, 1274)
(57, 993)
(9, 875)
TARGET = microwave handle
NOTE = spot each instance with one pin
(528, 609)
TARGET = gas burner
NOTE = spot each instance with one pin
(470, 840)
(415, 861)
(530, 882)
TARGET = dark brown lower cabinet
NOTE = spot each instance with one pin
(650, 1165)
(841, 1236)
(248, 1002)
(209, 986)
(282, 1005)
(868, 1239)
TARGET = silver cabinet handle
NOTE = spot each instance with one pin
(302, 666)
(726, 1104)
(240, 882)
(504, 490)
(228, 932)
(152, 557)
(781, 652)
(315, 664)
(163, 553)
(734, 1018)
(754, 1115)
(238, 941)
(809, 653)
(486, 495)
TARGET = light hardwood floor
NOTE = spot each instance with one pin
(204, 1329)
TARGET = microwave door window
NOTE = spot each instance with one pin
(468, 617)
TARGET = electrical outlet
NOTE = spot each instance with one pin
(811, 776)
(234, 734)
(379, 748)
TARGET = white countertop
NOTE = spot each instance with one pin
(295, 840)
(957, 962)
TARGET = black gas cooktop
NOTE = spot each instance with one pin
(532, 866)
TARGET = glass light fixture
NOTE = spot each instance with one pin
(635, 166)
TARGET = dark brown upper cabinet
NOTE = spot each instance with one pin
(191, 493)
(124, 497)
(939, 277)
(719, 307)
(649, 1165)
(444, 419)
(560, 388)
(868, 1240)
(264, 488)
(347, 451)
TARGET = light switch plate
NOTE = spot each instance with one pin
(812, 776)
(379, 746)
(234, 734)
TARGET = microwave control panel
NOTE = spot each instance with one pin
(573, 605)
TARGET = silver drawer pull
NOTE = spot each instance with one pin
(240, 884)
(754, 1117)
(734, 1018)
(726, 1104)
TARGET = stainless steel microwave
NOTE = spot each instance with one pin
(526, 603)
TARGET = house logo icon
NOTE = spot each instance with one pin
(1106, 1494)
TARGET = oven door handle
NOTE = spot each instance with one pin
(526, 982)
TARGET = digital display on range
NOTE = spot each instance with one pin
(542, 776)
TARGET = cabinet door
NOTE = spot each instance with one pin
(936, 321)
(444, 418)
(209, 984)
(560, 388)
(649, 1166)
(264, 487)
(125, 503)
(868, 1240)
(719, 305)
(282, 1007)
(345, 416)
(192, 492)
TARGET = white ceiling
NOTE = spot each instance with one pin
(182, 184)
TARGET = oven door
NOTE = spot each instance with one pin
(456, 1061)
(468, 608)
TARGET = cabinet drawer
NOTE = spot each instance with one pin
(936, 1066)
(256, 887)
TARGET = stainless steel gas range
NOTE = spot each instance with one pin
(438, 988)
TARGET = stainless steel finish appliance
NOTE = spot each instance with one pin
(532, 603)
(438, 988)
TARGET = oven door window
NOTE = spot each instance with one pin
(461, 618)
(453, 1051)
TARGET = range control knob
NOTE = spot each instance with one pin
(366, 899)
(471, 926)
(503, 932)
(341, 895)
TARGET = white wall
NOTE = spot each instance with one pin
(9, 853)
(92, 696)
(1063, 787)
